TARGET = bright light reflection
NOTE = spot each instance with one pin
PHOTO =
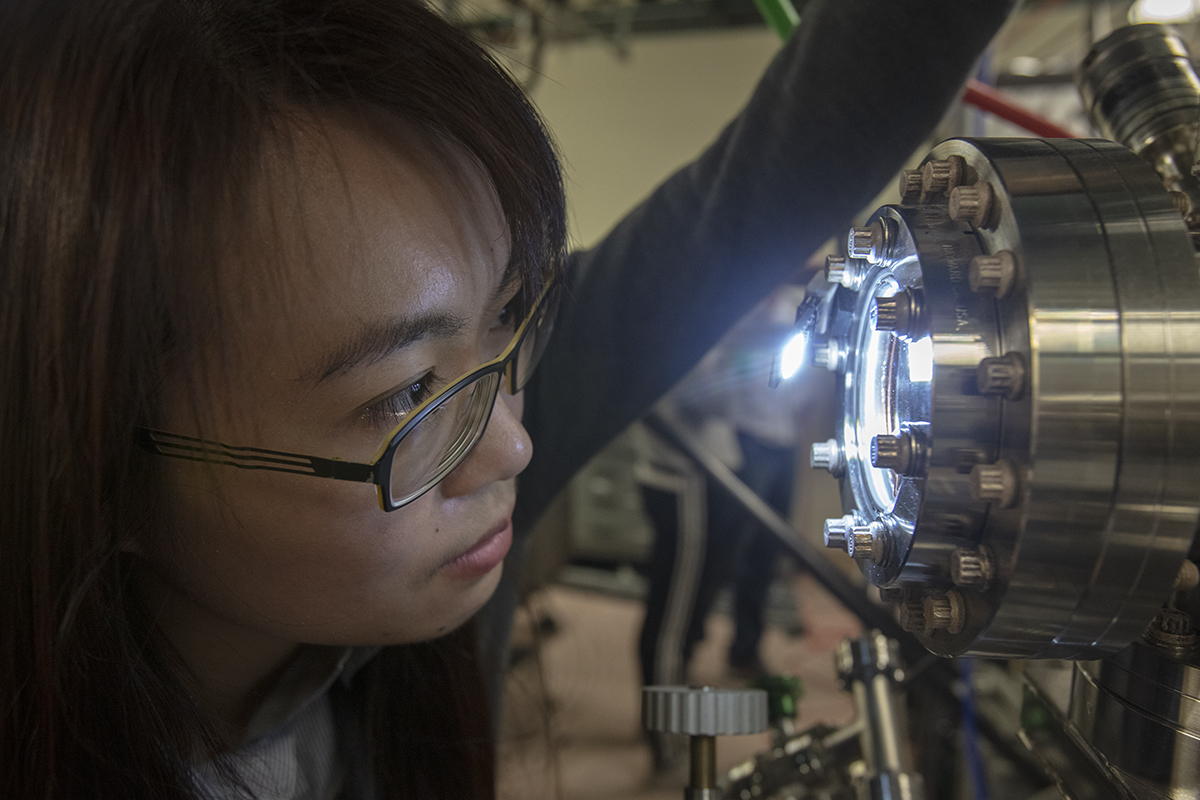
(920, 361)
(792, 356)
(1163, 11)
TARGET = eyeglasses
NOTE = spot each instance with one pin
(424, 448)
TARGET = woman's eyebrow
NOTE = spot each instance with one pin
(377, 341)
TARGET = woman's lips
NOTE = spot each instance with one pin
(485, 555)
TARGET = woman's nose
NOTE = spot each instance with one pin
(501, 454)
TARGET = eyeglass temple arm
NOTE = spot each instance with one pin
(190, 448)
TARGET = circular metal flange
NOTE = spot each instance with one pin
(897, 385)
(1075, 458)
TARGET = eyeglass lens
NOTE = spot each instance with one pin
(437, 443)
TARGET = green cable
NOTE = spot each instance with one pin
(780, 15)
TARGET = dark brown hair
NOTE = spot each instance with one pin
(129, 130)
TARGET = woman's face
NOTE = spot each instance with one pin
(387, 268)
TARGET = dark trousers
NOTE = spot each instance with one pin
(688, 567)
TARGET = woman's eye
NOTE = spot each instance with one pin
(507, 318)
(391, 409)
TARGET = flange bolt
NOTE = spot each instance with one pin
(866, 543)
(995, 483)
(835, 269)
(971, 567)
(995, 273)
(827, 455)
(972, 204)
(945, 612)
(943, 175)
(893, 313)
(892, 452)
(1188, 577)
(837, 531)
(1172, 628)
(912, 185)
(1003, 376)
(827, 355)
(911, 615)
(866, 243)
(845, 271)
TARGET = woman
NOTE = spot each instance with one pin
(273, 277)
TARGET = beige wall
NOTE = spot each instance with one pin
(624, 124)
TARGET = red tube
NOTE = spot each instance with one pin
(981, 95)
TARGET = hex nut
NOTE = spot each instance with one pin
(827, 455)
(995, 483)
(972, 204)
(993, 273)
(1003, 376)
(945, 612)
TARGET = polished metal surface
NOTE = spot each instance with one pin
(1039, 396)
(1140, 89)
(1140, 710)
(870, 668)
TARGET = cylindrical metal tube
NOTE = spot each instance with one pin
(884, 727)
(704, 762)
(1140, 89)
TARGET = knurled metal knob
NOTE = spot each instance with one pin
(942, 175)
(892, 452)
(837, 532)
(704, 711)
(945, 612)
(866, 543)
(827, 455)
(971, 567)
(1003, 376)
(995, 483)
(972, 204)
(912, 186)
(993, 273)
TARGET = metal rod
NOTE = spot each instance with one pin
(704, 762)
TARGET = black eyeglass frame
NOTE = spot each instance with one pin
(378, 472)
